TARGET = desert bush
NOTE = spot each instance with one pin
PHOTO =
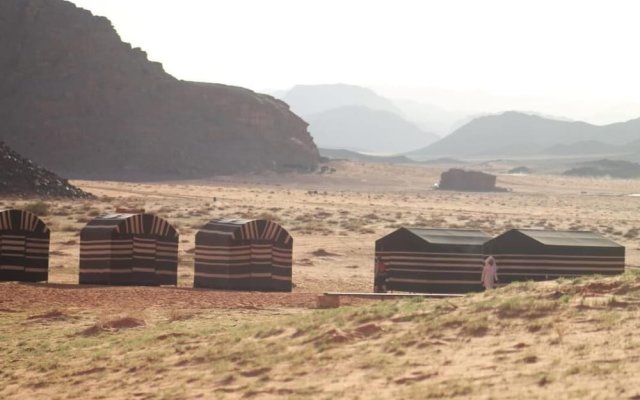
(268, 216)
(68, 228)
(94, 212)
(39, 208)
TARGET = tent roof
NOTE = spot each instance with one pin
(15, 219)
(246, 229)
(132, 224)
(451, 236)
(568, 238)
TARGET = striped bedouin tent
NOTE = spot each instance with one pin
(431, 260)
(238, 254)
(24, 247)
(534, 254)
(129, 249)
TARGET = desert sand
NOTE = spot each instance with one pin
(565, 339)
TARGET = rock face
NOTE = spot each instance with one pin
(78, 100)
(611, 168)
(459, 179)
(21, 177)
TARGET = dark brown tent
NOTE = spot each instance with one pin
(531, 254)
(460, 179)
(238, 254)
(433, 260)
(129, 249)
(24, 247)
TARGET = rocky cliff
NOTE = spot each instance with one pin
(78, 100)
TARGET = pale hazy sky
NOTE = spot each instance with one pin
(583, 51)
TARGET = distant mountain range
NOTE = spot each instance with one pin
(514, 134)
(355, 118)
(364, 129)
(432, 118)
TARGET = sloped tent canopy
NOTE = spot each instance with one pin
(239, 254)
(433, 260)
(129, 249)
(533, 254)
(24, 247)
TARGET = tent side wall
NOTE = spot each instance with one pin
(212, 259)
(105, 257)
(239, 267)
(415, 265)
(24, 247)
(167, 261)
(282, 271)
(521, 258)
(37, 258)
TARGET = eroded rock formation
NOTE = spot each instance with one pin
(78, 100)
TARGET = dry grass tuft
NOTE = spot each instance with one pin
(180, 315)
(49, 315)
(113, 325)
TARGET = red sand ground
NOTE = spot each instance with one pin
(24, 296)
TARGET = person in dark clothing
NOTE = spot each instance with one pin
(380, 276)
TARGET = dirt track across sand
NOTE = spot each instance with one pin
(21, 297)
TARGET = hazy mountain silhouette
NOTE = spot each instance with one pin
(515, 133)
(341, 154)
(356, 118)
(431, 118)
(307, 100)
(363, 129)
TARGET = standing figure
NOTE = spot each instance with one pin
(489, 273)
(380, 276)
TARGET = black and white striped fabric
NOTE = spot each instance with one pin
(431, 260)
(129, 249)
(237, 254)
(531, 254)
(24, 247)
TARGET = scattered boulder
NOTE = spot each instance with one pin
(611, 168)
(21, 177)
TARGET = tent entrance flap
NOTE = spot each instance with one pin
(261, 261)
(143, 260)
